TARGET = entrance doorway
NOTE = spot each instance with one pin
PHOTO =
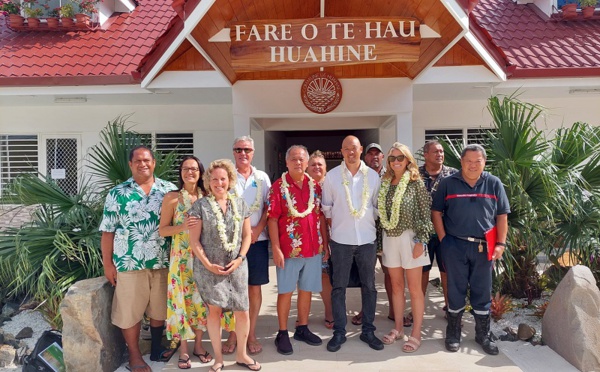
(329, 142)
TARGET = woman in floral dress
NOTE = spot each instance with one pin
(220, 242)
(186, 313)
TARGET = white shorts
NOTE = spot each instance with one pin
(397, 251)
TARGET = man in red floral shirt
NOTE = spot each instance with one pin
(297, 231)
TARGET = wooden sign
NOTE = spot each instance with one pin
(321, 42)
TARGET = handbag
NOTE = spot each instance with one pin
(353, 281)
(35, 361)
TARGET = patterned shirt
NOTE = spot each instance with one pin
(431, 182)
(134, 218)
(415, 211)
(298, 237)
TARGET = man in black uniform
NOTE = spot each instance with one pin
(468, 206)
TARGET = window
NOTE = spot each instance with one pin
(470, 135)
(181, 143)
(477, 135)
(18, 155)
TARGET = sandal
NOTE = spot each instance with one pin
(407, 320)
(253, 367)
(357, 319)
(411, 345)
(328, 324)
(254, 347)
(184, 363)
(391, 337)
(164, 356)
(204, 358)
(217, 369)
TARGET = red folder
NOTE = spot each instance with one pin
(491, 236)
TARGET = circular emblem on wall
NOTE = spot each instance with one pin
(321, 92)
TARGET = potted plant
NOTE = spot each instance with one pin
(87, 8)
(588, 7)
(67, 12)
(12, 10)
(569, 10)
(52, 19)
(32, 12)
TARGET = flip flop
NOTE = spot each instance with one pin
(204, 358)
(357, 319)
(164, 356)
(185, 362)
(249, 366)
(254, 347)
(218, 369)
(133, 368)
(328, 324)
(411, 345)
(407, 321)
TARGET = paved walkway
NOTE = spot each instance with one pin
(357, 356)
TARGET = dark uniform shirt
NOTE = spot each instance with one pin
(470, 211)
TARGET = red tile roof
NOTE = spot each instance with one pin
(536, 47)
(104, 56)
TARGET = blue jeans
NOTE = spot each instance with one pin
(342, 256)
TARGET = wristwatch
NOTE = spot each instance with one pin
(242, 257)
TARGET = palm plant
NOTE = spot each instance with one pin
(552, 185)
(61, 244)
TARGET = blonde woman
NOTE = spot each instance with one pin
(220, 242)
(405, 216)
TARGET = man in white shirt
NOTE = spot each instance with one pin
(252, 185)
(350, 206)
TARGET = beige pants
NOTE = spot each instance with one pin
(138, 292)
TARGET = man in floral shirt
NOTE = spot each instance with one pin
(135, 257)
(298, 235)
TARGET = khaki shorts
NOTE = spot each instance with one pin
(137, 292)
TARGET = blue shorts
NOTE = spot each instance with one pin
(258, 263)
(434, 248)
(305, 273)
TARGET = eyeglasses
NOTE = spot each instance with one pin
(393, 158)
(193, 170)
(238, 150)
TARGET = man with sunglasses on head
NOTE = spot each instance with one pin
(470, 216)
(432, 172)
(253, 185)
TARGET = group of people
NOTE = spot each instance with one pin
(326, 230)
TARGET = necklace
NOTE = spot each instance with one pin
(365, 191)
(392, 222)
(229, 247)
(285, 187)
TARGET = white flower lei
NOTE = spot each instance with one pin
(257, 199)
(365, 191)
(229, 247)
(392, 222)
(311, 201)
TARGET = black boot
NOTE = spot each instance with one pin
(453, 330)
(482, 334)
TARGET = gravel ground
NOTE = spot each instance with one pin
(521, 313)
(26, 318)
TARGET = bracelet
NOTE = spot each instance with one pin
(501, 244)
(241, 256)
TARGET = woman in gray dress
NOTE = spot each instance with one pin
(220, 242)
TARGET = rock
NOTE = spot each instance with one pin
(10, 340)
(26, 332)
(525, 332)
(571, 324)
(22, 352)
(7, 355)
(1, 336)
(10, 309)
(90, 341)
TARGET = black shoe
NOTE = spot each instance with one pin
(373, 342)
(304, 334)
(482, 334)
(453, 335)
(336, 342)
(283, 344)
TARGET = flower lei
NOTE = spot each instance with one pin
(365, 191)
(311, 200)
(257, 200)
(229, 247)
(392, 222)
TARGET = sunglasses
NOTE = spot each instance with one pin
(393, 158)
(239, 150)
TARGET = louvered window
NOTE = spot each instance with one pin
(478, 135)
(455, 135)
(181, 143)
(18, 155)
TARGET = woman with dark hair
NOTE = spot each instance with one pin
(186, 313)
